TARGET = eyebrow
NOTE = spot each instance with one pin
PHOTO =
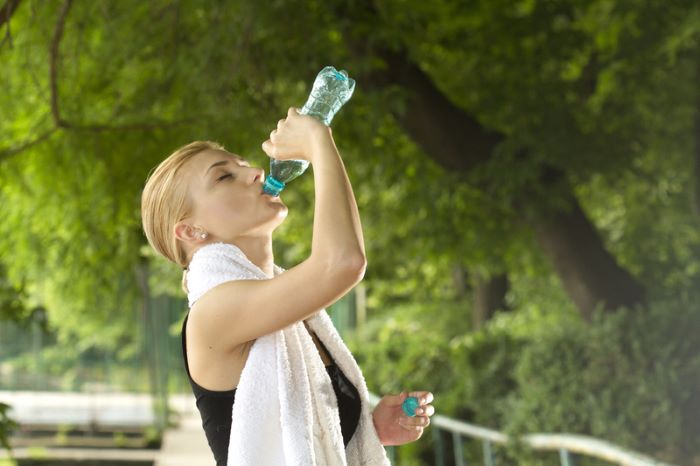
(223, 162)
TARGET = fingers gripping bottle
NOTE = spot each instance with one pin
(330, 91)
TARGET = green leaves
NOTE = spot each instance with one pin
(606, 91)
(7, 425)
(626, 378)
(585, 86)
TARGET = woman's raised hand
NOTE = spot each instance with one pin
(294, 136)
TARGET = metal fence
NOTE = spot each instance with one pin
(161, 362)
(568, 446)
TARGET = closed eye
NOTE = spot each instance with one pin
(224, 176)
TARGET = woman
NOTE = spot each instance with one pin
(202, 196)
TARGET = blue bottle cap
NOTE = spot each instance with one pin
(273, 186)
(409, 405)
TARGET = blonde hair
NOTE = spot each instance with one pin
(165, 201)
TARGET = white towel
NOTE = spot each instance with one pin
(286, 411)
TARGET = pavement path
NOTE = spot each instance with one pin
(184, 444)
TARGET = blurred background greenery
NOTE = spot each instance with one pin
(527, 173)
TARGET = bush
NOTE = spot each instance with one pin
(430, 346)
(410, 347)
(629, 377)
(7, 426)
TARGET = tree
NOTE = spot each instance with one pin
(481, 141)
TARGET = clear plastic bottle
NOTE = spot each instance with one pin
(331, 90)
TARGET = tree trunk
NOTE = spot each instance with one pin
(696, 168)
(455, 140)
(459, 281)
(489, 297)
(488, 293)
(589, 273)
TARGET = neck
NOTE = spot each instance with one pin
(258, 250)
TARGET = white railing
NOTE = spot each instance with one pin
(568, 445)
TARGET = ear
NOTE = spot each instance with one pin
(185, 232)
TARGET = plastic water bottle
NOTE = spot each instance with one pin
(331, 90)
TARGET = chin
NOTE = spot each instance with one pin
(277, 210)
(281, 204)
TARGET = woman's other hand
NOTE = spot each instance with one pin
(294, 136)
(393, 426)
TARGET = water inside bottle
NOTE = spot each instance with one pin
(330, 91)
(285, 170)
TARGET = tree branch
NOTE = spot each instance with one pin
(7, 10)
(453, 138)
(53, 58)
(458, 142)
(142, 126)
(59, 122)
(9, 152)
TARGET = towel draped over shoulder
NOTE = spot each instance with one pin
(286, 411)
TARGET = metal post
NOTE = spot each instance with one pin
(439, 447)
(360, 305)
(489, 459)
(338, 313)
(566, 458)
(149, 344)
(36, 347)
(391, 452)
(161, 339)
(457, 448)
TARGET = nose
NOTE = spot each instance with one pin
(259, 174)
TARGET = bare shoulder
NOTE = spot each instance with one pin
(214, 366)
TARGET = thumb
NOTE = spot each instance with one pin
(395, 400)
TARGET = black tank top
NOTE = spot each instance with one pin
(215, 406)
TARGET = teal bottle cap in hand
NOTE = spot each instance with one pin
(409, 405)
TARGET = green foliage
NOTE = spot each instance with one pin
(630, 378)
(119, 439)
(12, 300)
(412, 345)
(645, 217)
(604, 90)
(153, 437)
(428, 346)
(7, 425)
(577, 82)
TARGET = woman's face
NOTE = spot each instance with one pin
(227, 196)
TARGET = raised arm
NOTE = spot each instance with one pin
(242, 310)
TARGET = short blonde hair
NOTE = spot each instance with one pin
(165, 201)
